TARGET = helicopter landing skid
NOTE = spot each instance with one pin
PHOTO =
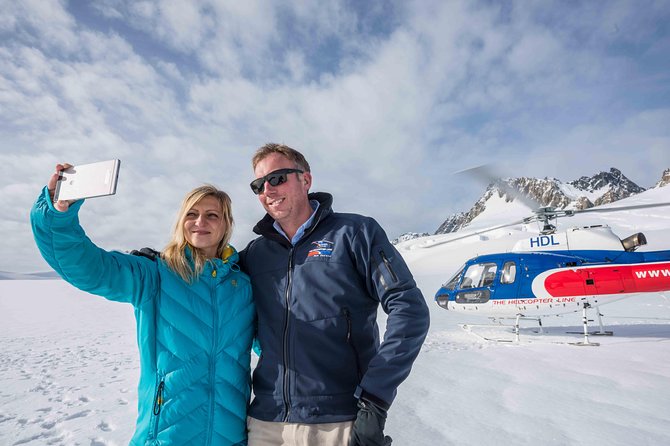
(515, 329)
(585, 323)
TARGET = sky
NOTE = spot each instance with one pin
(387, 100)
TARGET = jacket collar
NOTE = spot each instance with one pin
(230, 256)
(264, 226)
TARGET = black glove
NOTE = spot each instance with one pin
(149, 253)
(368, 428)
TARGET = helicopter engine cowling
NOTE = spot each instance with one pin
(632, 242)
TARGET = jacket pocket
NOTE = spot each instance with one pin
(350, 341)
(388, 266)
(157, 406)
(386, 269)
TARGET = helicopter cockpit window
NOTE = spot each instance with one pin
(451, 284)
(508, 273)
(479, 275)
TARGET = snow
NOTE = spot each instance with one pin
(69, 363)
(499, 211)
(574, 193)
(68, 366)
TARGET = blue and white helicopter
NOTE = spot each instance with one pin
(554, 273)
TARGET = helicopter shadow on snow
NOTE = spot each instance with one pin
(637, 330)
(617, 332)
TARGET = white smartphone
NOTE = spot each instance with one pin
(88, 180)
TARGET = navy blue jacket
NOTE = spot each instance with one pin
(317, 307)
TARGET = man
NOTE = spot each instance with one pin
(318, 278)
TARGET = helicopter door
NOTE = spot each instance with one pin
(509, 281)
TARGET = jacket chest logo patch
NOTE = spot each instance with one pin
(321, 248)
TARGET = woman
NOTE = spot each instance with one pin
(193, 309)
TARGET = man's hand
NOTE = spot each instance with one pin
(61, 205)
(368, 428)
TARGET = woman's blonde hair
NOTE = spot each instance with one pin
(174, 253)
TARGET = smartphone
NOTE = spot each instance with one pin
(88, 180)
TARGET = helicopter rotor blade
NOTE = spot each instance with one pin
(619, 208)
(483, 231)
(485, 175)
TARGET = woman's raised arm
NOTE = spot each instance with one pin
(66, 248)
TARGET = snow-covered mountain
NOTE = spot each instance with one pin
(583, 193)
(44, 275)
(408, 236)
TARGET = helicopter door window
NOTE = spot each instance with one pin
(508, 273)
(451, 284)
(479, 275)
(472, 275)
(489, 274)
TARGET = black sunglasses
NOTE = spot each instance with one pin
(274, 178)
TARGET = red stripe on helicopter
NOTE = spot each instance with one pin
(615, 279)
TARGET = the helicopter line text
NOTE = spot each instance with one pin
(534, 301)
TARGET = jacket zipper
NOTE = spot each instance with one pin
(212, 363)
(158, 404)
(287, 312)
(350, 341)
(388, 266)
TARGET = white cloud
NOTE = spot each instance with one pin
(386, 106)
(42, 23)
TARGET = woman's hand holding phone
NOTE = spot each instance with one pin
(60, 205)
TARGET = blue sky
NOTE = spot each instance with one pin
(386, 100)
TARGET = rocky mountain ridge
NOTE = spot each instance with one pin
(408, 236)
(665, 179)
(583, 193)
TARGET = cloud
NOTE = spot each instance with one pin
(40, 23)
(386, 103)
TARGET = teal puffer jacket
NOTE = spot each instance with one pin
(194, 339)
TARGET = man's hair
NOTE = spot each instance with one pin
(293, 155)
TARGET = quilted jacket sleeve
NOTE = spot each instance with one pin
(390, 281)
(66, 248)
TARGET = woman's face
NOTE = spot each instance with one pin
(204, 226)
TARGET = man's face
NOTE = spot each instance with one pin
(287, 203)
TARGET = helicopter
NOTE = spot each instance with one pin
(554, 273)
